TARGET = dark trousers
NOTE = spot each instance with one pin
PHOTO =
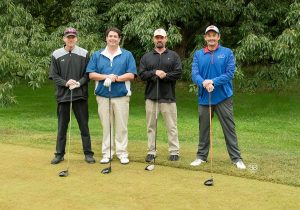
(80, 109)
(224, 110)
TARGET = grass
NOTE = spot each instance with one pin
(267, 124)
(30, 182)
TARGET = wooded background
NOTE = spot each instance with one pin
(264, 34)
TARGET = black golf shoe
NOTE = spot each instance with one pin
(149, 158)
(57, 159)
(174, 157)
(89, 159)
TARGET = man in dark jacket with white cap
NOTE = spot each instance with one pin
(161, 68)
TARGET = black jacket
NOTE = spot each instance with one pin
(169, 62)
(69, 65)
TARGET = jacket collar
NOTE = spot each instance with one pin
(206, 50)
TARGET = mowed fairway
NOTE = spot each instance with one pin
(29, 181)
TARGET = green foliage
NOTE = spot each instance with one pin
(24, 44)
(264, 33)
(277, 52)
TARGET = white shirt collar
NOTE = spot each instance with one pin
(108, 55)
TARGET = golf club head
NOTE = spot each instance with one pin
(149, 167)
(64, 173)
(209, 182)
(106, 170)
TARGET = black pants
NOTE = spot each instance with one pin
(80, 109)
(224, 110)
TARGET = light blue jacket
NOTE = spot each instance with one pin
(219, 66)
(121, 64)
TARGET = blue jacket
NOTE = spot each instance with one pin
(219, 66)
(121, 64)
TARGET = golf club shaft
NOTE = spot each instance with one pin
(70, 125)
(156, 117)
(210, 133)
(109, 103)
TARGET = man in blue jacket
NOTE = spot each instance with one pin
(212, 71)
(112, 68)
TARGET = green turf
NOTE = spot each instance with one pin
(267, 124)
(30, 182)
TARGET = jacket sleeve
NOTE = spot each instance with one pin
(131, 64)
(228, 73)
(92, 64)
(196, 77)
(85, 77)
(54, 73)
(177, 70)
(144, 73)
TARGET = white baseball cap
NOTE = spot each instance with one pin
(160, 32)
(212, 28)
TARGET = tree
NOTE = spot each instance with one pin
(264, 34)
(26, 43)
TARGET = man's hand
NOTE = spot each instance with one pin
(113, 77)
(207, 82)
(71, 82)
(77, 85)
(161, 74)
(107, 82)
(210, 88)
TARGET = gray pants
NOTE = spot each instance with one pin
(224, 110)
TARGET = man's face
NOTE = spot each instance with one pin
(113, 39)
(212, 38)
(70, 41)
(160, 41)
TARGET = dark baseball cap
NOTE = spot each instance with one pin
(70, 32)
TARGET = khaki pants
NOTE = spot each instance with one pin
(169, 113)
(119, 121)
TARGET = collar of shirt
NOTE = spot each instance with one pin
(111, 56)
(206, 50)
(155, 52)
(75, 47)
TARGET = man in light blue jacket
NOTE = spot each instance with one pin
(113, 68)
(213, 69)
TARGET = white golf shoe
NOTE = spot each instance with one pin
(240, 165)
(104, 160)
(197, 162)
(124, 160)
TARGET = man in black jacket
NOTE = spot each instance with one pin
(160, 68)
(67, 70)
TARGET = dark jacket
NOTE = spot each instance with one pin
(169, 62)
(69, 65)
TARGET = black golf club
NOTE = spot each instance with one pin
(108, 170)
(210, 182)
(65, 173)
(151, 166)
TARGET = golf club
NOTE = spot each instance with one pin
(210, 182)
(108, 170)
(65, 173)
(151, 166)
